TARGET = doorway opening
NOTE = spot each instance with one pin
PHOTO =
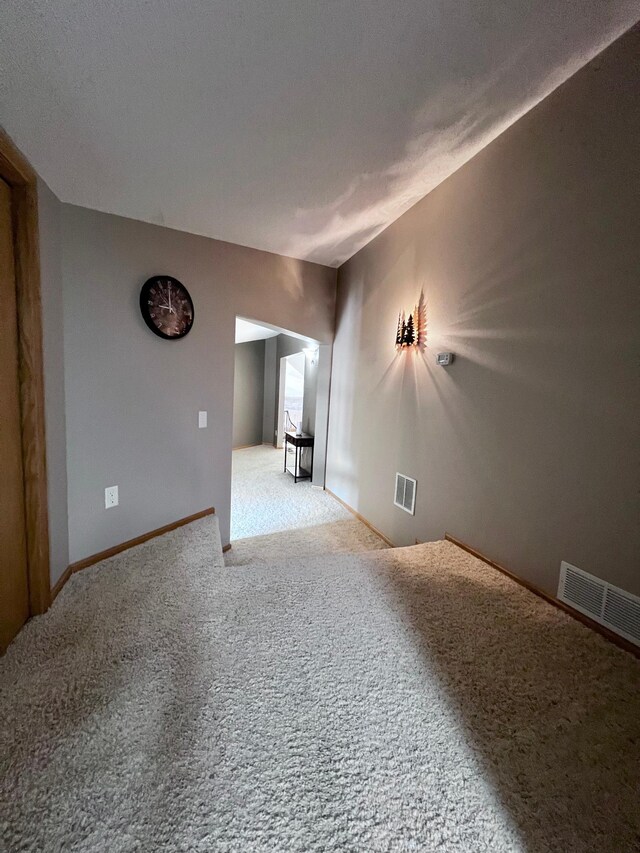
(281, 388)
(291, 397)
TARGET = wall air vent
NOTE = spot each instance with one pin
(405, 496)
(601, 601)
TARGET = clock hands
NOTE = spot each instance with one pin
(167, 293)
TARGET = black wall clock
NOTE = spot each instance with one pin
(166, 307)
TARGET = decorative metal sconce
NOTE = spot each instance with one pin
(412, 330)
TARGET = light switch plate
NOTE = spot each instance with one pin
(202, 420)
(111, 497)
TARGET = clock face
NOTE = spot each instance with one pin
(166, 307)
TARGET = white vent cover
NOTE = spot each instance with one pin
(607, 604)
(405, 493)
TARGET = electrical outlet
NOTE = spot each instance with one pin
(111, 497)
(202, 420)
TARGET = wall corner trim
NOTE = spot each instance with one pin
(360, 518)
(124, 546)
(57, 588)
(550, 599)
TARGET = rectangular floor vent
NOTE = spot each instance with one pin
(405, 493)
(609, 605)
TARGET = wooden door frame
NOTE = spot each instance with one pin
(22, 180)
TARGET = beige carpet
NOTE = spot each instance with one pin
(394, 700)
(273, 518)
(345, 536)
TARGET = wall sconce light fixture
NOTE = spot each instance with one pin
(412, 330)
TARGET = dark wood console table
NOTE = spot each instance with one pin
(298, 442)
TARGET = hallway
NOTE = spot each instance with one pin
(272, 517)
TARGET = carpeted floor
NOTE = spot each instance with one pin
(273, 518)
(395, 700)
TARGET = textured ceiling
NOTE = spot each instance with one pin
(295, 126)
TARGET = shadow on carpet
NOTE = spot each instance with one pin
(550, 707)
(348, 536)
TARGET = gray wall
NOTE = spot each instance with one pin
(321, 425)
(309, 405)
(271, 373)
(527, 447)
(132, 399)
(248, 393)
(53, 355)
(310, 394)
